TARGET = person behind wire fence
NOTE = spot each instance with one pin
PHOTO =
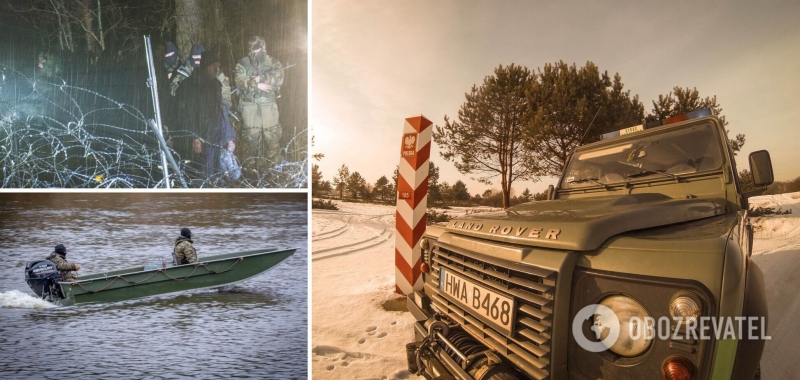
(203, 115)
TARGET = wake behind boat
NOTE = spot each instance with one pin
(152, 279)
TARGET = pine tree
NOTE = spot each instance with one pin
(571, 106)
(434, 193)
(486, 138)
(684, 100)
(340, 180)
(355, 184)
(316, 179)
(382, 187)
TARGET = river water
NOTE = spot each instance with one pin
(255, 329)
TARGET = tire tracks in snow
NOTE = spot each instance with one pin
(384, 234)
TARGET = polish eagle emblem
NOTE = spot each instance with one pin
(409, 141)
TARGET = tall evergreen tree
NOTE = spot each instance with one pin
(526, 195)
(460, 192)
(340, 180)
(434, 193)
(355, 184)
(683, 100)
(382, 187)
(395, 176)
(570, 106)
(486, 138)
(316, 179)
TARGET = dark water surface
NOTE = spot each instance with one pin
(255, 329)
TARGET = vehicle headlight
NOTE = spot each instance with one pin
(626, 308)
(424, 244)
(686, 306)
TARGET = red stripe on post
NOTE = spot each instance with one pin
(411, 274)
(419, 229)
(419, 193)
(419, 123)
(420, 158)
(404, 230)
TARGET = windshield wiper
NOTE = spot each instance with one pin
(589, 179)
(648, 172)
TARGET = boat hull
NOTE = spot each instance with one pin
(136, 282)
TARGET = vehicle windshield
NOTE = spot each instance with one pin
(666, 155)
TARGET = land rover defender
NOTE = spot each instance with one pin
(650, 222)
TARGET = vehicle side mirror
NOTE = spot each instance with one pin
(761, 167)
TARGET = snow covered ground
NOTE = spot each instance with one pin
(360, 326)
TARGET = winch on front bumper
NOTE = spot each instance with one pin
(447, 352)
(484, 316)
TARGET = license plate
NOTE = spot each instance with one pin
(490, 304)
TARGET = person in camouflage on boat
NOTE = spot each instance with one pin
(184, 252)
(59, 257)
(258, 90)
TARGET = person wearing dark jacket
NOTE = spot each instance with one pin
(200, 98)
(59, 257)
(184, 251)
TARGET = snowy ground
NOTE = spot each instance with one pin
(360, 326)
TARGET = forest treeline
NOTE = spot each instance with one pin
(523, 124)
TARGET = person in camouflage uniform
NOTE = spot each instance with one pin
(47, 65)
(184, 252)
(59, 257)
(257, 94)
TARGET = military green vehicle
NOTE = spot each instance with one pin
(650, 222)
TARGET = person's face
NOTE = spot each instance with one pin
(213, 69)
(256, 53)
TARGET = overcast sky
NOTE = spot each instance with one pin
(374, 63)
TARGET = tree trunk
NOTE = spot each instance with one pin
(198, 22)
(86, 18)
(189, 25)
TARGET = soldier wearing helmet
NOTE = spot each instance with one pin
(258, 83)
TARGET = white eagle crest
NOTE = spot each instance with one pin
(410, 141)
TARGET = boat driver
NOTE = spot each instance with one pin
(184, 252)
(59, 257)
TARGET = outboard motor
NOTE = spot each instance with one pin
(43, 276)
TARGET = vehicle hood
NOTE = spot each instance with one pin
(583, 224)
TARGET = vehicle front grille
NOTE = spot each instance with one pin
(532, 288)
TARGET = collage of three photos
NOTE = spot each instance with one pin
(281, 189)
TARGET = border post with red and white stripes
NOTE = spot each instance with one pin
(412, 202)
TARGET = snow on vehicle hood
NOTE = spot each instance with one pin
(583, 224)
